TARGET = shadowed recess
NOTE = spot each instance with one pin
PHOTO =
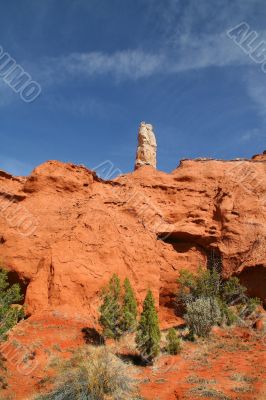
(254, 279)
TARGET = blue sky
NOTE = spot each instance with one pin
(106, 65)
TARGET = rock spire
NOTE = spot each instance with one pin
(146, 151)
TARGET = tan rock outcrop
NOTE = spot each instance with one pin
(146, 225)
(260, 157)
(147, 146)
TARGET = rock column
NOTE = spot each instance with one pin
(147, 146)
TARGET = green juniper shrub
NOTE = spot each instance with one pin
(110, 309)
(129, 309)
(148, 331)
(173, 342)
(10, 295)
(231, 317)
(232, 291)
(228, 316)
(186, 282)
(246, 310)
(207, 285)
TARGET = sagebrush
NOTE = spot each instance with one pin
(202, 314)
(225, 300)
(93, 374)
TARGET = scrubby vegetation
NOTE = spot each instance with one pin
(118, 316)
(129, 309)
(118, 312)
(209, 301)
(148, 332)
(173, 342)
(206, 299)
(202, 314)
(93, 374)
(99, 372)
(111, 310)
(10, 314)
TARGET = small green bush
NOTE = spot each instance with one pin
(202, 314)
(173, 342)
(247, 309)
(9, 297)
(206, 283)
(228, 316)
(232, 291)
(229, 296)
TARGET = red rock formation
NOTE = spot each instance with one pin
(64, 231)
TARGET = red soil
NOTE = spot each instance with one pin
(233, 359)
(214, 365)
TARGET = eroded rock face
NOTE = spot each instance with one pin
(78, 230)
(146, 151)
(260, 157)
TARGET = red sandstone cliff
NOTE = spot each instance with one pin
(64, 231)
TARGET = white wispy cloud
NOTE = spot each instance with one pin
(193, 53)
(255, 82)
(127, 64)
(195, 32)
(204, 51)
(252, 134)
(6, 94)
(189, 36)
(186, 37)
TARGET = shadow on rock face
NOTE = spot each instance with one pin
(254, 279)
